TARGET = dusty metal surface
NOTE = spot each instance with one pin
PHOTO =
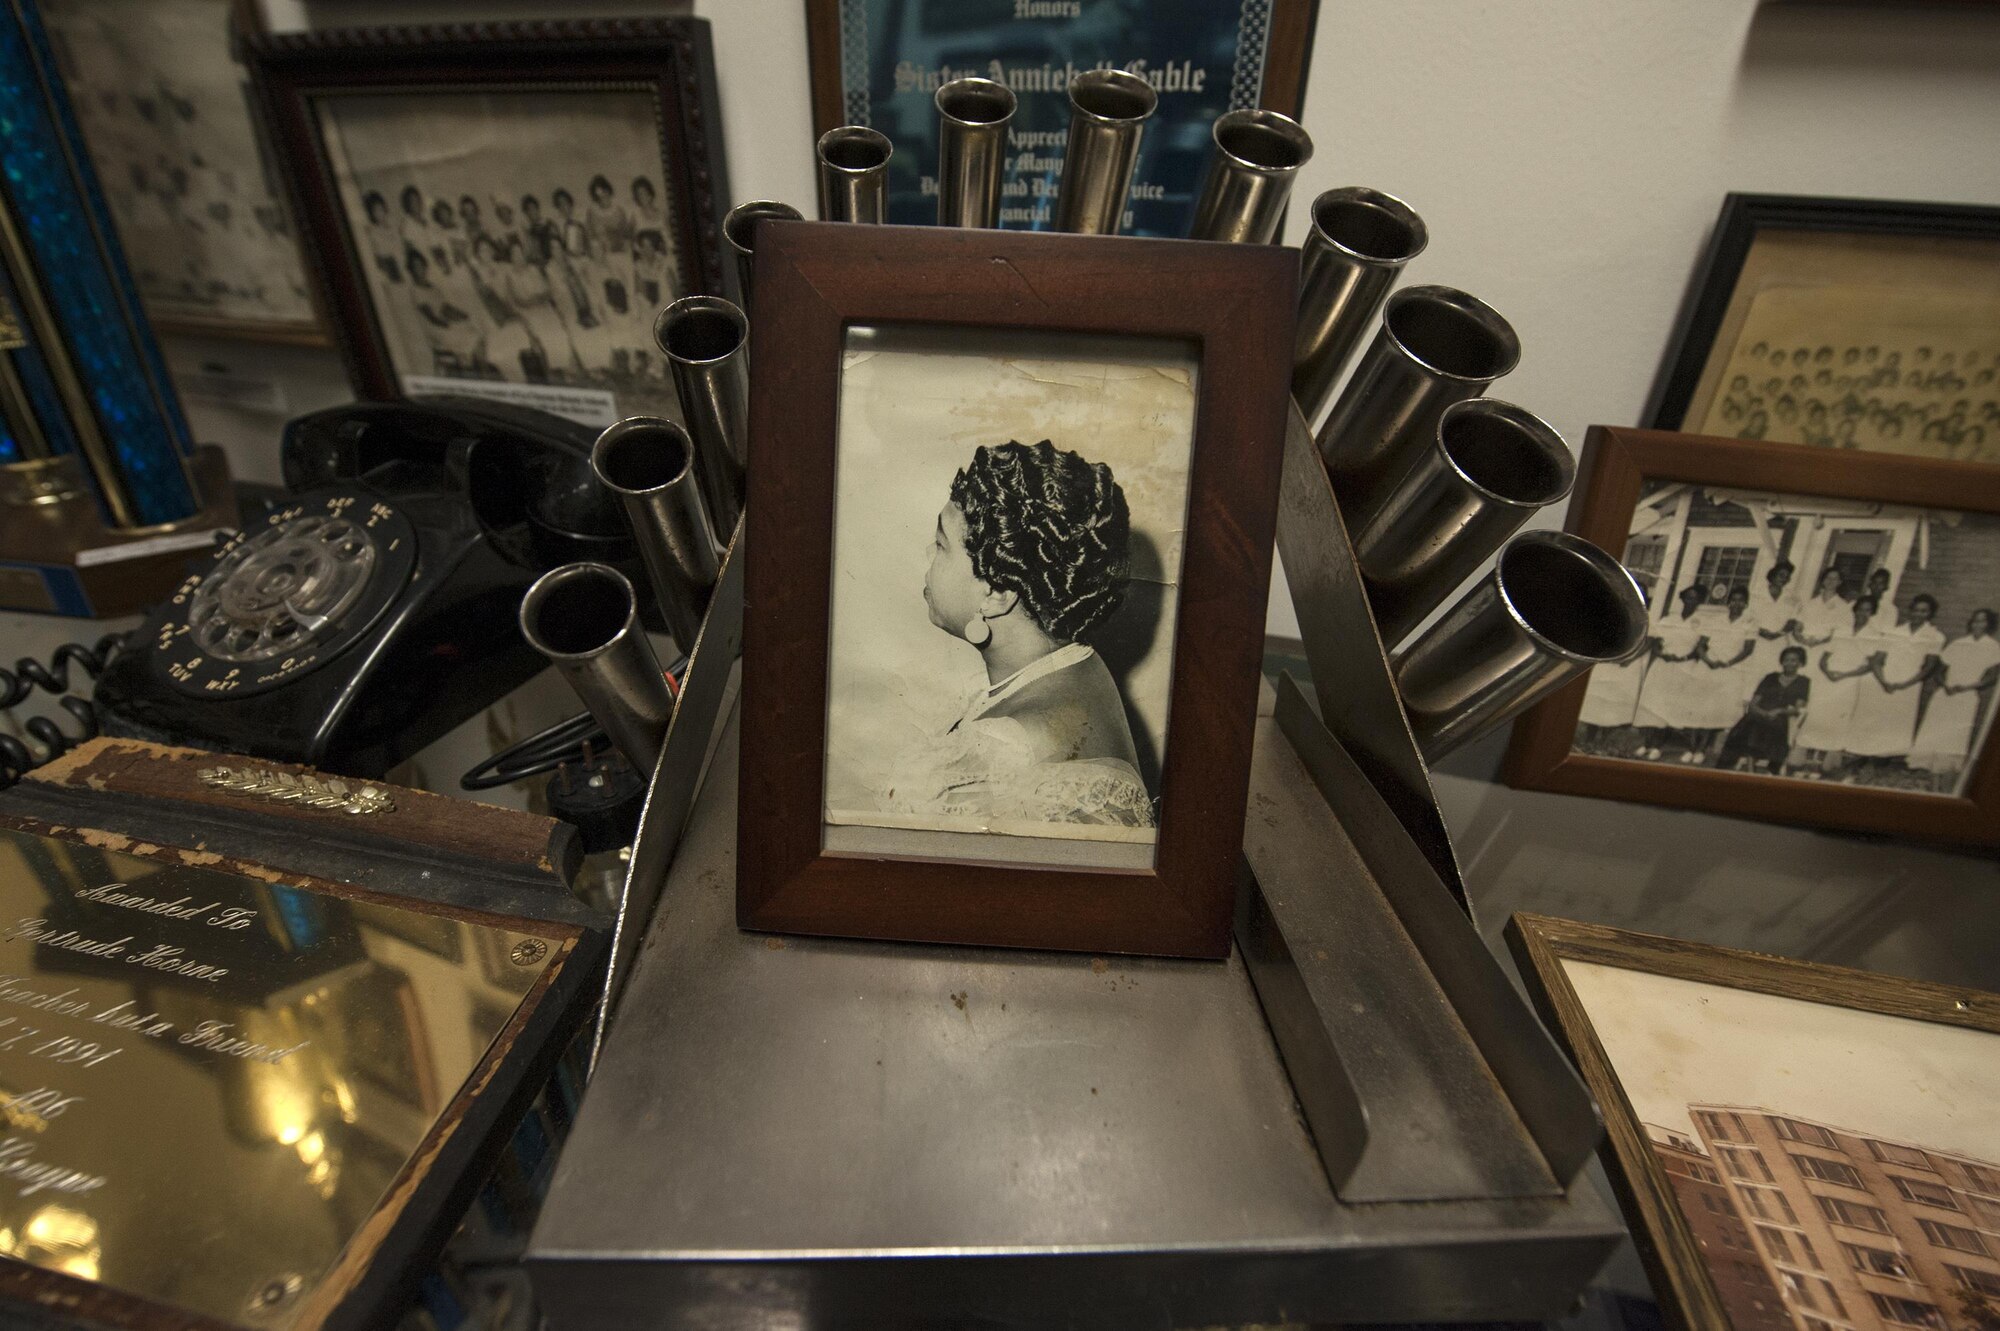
(821, 1133)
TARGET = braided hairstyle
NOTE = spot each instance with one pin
(1051, 528)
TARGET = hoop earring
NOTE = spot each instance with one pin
(977, 631)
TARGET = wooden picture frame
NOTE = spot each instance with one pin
(1229, 305)
(167, 112)
(878, 64)
(1857, 277)
(1616, 466)
(1713, 1264)
(667, 61)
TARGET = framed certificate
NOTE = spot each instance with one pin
(879, 63)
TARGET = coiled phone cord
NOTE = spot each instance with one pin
(28, 674)
(571, 741)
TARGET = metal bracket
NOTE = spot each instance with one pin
(1350, 667)
(1422, 1072)
(705, 688)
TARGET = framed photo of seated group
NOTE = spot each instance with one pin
(1013, 516)
(1824, 642)
(502, 209)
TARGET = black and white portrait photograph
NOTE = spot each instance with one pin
(1008, 519)
(165, 111)
(1816, 639)
(522, 239)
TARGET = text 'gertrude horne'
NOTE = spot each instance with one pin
(158, 956)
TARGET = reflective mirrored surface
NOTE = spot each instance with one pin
(208, 1080)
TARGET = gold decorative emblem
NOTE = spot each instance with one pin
(529, 951)
(286, 788)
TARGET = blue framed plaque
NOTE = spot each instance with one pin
(879, 63)
(87, 370)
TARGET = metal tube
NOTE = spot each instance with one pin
(1257, 157)
(707, 342)
(1437, 346)
(585, 619)
(1490, 466)
(1360, 240)
(1554, 606)
(973, 115)
(649, 464)
(1108, 109)
(854, 175)
(739, 229)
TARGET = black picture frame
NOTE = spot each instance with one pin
(672, 59)
(1743, 218)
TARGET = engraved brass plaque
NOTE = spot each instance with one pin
(209, 1081)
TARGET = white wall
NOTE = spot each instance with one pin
(1569, 156)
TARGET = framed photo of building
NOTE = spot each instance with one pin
(503, 209)
(1013, 510)
(167, 112)
(1824, 645)
(880, 63)
(1843, 323)
(1795, 1146)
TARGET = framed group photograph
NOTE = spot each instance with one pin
(1822, 644)
(171, 123)
(1012, 516)
(503, 209)
(1796, 1147)
(880, 63)
(1843, 323)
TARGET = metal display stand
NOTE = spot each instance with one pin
(826, 1133)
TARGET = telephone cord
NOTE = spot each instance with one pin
(28, 675)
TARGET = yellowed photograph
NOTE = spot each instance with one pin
(1881, 343)
(1009, 515)
(165, 111)
(1836, 1168)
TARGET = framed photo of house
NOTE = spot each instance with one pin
(880, 63)
(1794, 1145)
(1843, 323)
(1823, 643)
(168, 115)
(503, 209)
(1013, 512)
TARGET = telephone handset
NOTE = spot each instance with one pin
(376, 608)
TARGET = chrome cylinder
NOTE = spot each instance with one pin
(1553, 606)
(1256, 157)
(973, 115)
(585, 619)
(1489, 467)
(854, 175)
(1437, 346)
(649, 464)
(1360, 240)
(706, 341)
(1108, 109)
(739, 230)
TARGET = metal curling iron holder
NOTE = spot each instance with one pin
(1351, 923)
(1358, 1051)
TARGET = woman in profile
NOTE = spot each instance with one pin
(1030, 555)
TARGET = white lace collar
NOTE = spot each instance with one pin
(1059, 659)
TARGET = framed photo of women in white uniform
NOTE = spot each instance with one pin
(503, 209)
(1013, 510)
(1824, 644)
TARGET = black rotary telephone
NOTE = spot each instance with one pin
(375, 609)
